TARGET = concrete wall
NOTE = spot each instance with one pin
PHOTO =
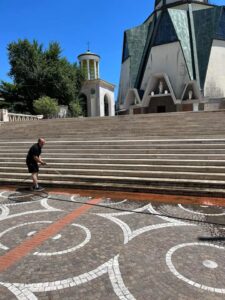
(214, 105)
(124, 81)
(215, 77)
(166, 102)
(168, 59)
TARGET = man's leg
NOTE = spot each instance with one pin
(35, 179)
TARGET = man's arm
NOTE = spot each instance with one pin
(39, 160)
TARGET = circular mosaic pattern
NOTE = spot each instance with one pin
(189, 252)
(25, 195)
(71, 249)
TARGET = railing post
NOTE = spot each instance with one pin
(4, 116)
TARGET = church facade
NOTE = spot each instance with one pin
(175, 60)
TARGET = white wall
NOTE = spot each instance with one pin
(215, 77)
(168, 59)
(110, 95)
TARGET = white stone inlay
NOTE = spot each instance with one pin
(117, 281)
(25, 291)
(4, 212)
(113, 203)
(31, 233)
(57, 237)
(154, 212)
(210, 264)
(128, 233)
(44, 203)
(199, 213)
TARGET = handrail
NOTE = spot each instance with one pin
(6, 116)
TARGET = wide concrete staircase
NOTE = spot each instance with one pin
(176, 153)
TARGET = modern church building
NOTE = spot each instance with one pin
(175, 60)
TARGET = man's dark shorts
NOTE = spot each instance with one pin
(32, 168)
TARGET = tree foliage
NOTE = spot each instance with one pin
(37, 72)
(46, 106)
(75, 108)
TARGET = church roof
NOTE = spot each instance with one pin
(209, 24)
(134, 43)
(160, 3)
(171, 25)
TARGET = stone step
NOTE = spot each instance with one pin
(125, 139)
(122, 146)
(110, 128)
(111, 180)
(123, 135)
(156, 180)
(71, 156)
(174, 153)
(111, 141)
(195, 191)
(71, 167)
(67, 174)
(166, 161)
(73, 152)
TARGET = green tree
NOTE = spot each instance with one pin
(46, 106)
(37, 72)
(75, 108)
(13, 100)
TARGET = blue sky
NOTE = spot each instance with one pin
(73, 23)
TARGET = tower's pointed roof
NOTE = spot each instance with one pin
(160, 3)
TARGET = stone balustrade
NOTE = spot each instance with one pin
(6, 116)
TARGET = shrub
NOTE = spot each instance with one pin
(46, 106)
(75, 108)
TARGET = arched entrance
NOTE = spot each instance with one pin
(106, 105)
(83, 103)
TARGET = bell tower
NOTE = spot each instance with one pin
(97, 95)
(89, 64)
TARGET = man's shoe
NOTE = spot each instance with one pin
(38, 189)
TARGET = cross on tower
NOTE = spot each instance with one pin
(88, 46)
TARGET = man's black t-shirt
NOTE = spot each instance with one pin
(35, 150)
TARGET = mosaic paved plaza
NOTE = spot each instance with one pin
(67, 246)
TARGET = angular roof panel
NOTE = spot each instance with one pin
(205, 23)
(135, 40)
(220, 31)
(165, 31)
(180, 22)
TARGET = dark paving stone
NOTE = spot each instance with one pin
(116, 250)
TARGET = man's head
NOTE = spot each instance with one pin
(41, 142)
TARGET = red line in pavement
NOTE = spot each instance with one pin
(15, 254)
